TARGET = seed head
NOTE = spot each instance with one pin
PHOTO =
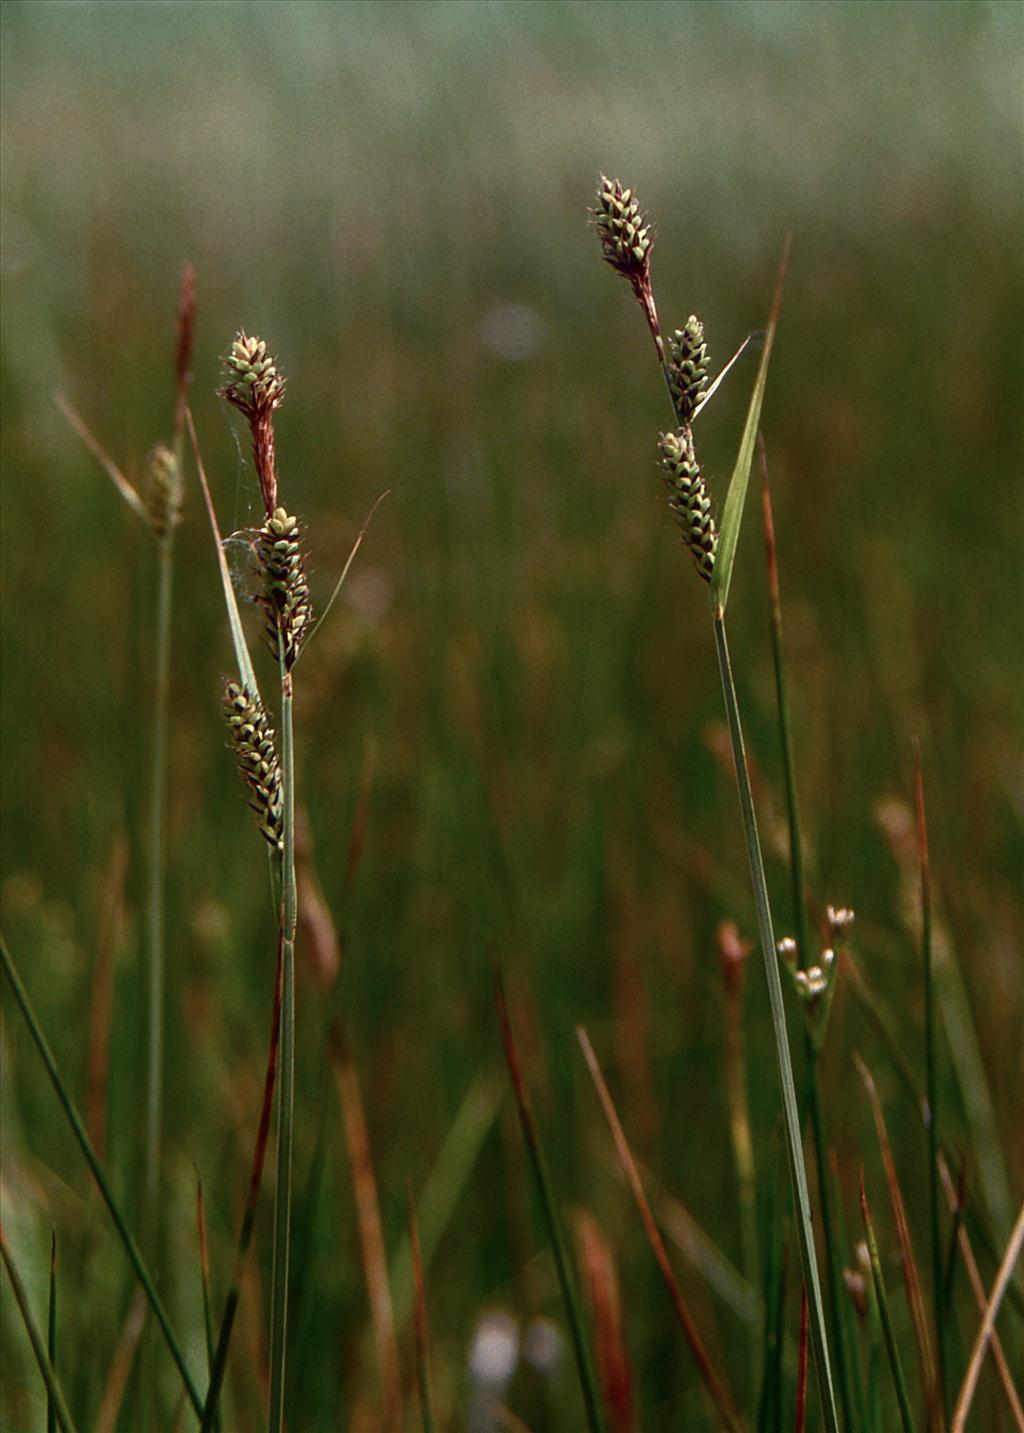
(254, 386)
(687, 367)
(163, 490)
(285, 596)
(253, 740)
(689, 499)
(624, 231)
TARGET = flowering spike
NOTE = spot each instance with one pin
(687, 367)
(253, 740)
(163, 490)
(254, 386)
(689, 499)
(285, 598)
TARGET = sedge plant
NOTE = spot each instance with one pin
(626, 241)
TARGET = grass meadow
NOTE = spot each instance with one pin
(510, 742)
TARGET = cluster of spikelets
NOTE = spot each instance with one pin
(626, 243)
(284, 598)
(252, 738)
(163, 490)
(255, 387)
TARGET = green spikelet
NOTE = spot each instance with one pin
(285, 599)
(252, 738)
(253, 383)
(689, 499)
(622, 227)
(687, 367)
(163, 490)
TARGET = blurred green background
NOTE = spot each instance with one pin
(520, 674)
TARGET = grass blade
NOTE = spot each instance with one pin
(709, 1378)
(74, 1119)
(987, 1325)
(51, 1333)
(371, 1232)
(246, 671)
(800, 1419)
(833, 1273)
(446, 1181)
(345, 570)
(732, 512)
(227, 1322)
(107, 463)
(54, 1393)
(422, 1342)
(910, 1274)
(121, 1366)
(906, 1417)
(204, 1275)
(585, 1368)
(602, 1288)
(931, 1082)
(791, 1115)
(970, 1264)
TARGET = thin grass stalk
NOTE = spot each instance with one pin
(204, 1275)
(774, 1302)
(800, 1417)
(155, 912)
(371, 1232)
(931, 1084)
(51, 1333)
(803, 941)
(882, 1023)
(54, 1392)
(131, 1248)
(559, 1247)
(422, 1340)
(987, 1326)
(978, 1289)
(794, 1148)
(286, 1090)
(220, 1358)
(709, 1377)
(121, 1365)
(902, 1398)
(910, 1274)
(848, 1326)
(732, 956)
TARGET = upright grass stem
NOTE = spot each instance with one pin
(794, 1148)
(799, 902)
(131, 1248)
(286, 1083)
(57, 1408)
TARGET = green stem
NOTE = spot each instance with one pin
(74, 1119)
(797, 1170)
(892, 1348)
(155, 896)
(286, 1087)
(56, 1401)
(51, 1333)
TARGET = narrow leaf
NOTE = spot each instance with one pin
(131, 1248)
(988, 1322)
(732, 512)
(585, 1368)
(906, 1417)
(345, 570)
(242, 657)
(710, 1379)
(55, 1393)
(107, 463)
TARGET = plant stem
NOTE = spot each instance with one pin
(803, 943)
(55, 1394)
(155, 896)
(78, 1128)
(797, 1170)
(286, 1085)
